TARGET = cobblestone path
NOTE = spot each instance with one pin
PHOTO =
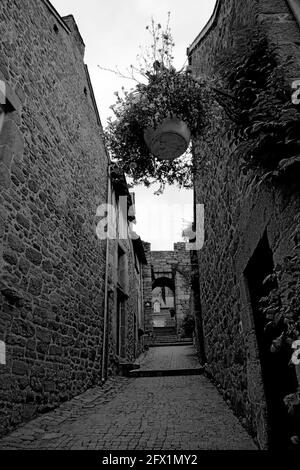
(161, 413)
(169, 357)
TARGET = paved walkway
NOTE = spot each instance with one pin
(155, 413)
(169, 357)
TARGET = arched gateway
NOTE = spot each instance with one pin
(169, 288)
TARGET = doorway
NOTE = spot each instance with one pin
(278, 378)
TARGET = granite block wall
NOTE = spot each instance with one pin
(176, 266)
(238, 212)
(53, 168)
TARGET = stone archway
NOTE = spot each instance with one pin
(163, 303)
(171, 269)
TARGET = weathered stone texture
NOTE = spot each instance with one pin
(132, 344)
(147, 288)
(125, 261)
(52, 179)
(237, 213)
(176, 266)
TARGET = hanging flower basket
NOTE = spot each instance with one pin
(154, 125)
(154, 121)
(169, 140)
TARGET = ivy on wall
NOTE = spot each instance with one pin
(282, 310)
(267, 123)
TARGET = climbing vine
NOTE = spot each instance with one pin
(161, 92)
(281, 308)
(267, 122)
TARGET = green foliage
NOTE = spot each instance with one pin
(282, 306)
(282, 310)
(249, 84)
(161, 48)
(188, 325)
(167, 93)
(268, 124)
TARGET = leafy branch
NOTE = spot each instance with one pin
(268, 123)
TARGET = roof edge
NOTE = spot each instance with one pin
(295, 7)
(209, 25)
(139, 249)
(55, 13)
(73, 27)
(92, 95)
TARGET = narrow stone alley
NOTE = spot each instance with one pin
(175, 408)
(150, 237)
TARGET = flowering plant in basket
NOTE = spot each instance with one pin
(169, 95)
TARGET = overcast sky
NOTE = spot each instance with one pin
(112, 31)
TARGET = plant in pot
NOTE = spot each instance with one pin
(155, 121)
(188, 326)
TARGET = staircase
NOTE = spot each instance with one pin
(167, 335)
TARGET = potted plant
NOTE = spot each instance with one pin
(155, 121)
(188, 325)
(169, 140)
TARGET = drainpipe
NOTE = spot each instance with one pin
(104, 346)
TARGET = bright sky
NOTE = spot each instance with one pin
(112, 31)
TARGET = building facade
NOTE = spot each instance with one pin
(167, 287)
(251, 223)
(126, 261)
(63, 326)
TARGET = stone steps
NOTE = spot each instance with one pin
(170, 339)
(165, 372)
(165, 335)
(165, 331)
(165, 339)
(124, 368)
(175, 343)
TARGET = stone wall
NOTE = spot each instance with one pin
(238, 212)
(53, 169)
(130, 287)
(147, 288)
(176, 266)
(182, 280)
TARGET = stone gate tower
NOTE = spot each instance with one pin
(170, 287)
